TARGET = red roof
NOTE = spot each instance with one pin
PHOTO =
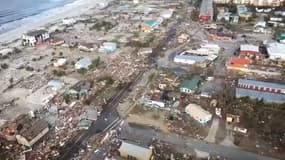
(238, 62)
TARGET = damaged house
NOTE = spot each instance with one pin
(34, 38)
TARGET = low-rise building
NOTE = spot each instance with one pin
(238, 63)
(149, 25)
(280, 37)
(276, 51)
(267, 91)
(154, 100)
(206, 11)
(190, 86)
(34, 38)
(245, 66)
(249, 50)
(198, 113)
(131, 151)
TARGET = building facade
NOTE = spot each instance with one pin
(269, 92)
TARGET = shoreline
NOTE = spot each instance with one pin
(55, 15)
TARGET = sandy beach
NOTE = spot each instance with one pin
(52, 16)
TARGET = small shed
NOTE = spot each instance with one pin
(190, 86)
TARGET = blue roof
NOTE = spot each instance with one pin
(191, 57)
(261, 84)
(150, 23)
(266, 96)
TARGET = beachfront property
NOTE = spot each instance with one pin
(267, 91)
(198, 113)
(134, 152)
(206, 11)
(34, 38)
(276, 51)
(190, 86)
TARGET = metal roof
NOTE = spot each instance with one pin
(135, 151)
(276, 49)
(266, 96)
(262, 84)
(191, 58)
(191, 84)
(249, 47)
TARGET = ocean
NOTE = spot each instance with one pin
(17, 10)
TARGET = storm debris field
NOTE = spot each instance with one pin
(149, 76)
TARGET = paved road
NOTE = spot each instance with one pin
(144, 135)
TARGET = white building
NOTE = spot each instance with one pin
(276, 51)
(198, 113)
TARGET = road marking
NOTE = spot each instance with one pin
(109, 126)
(116, 124)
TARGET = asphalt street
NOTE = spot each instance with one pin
(145, 135)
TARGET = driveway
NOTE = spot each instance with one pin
(213, 130)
